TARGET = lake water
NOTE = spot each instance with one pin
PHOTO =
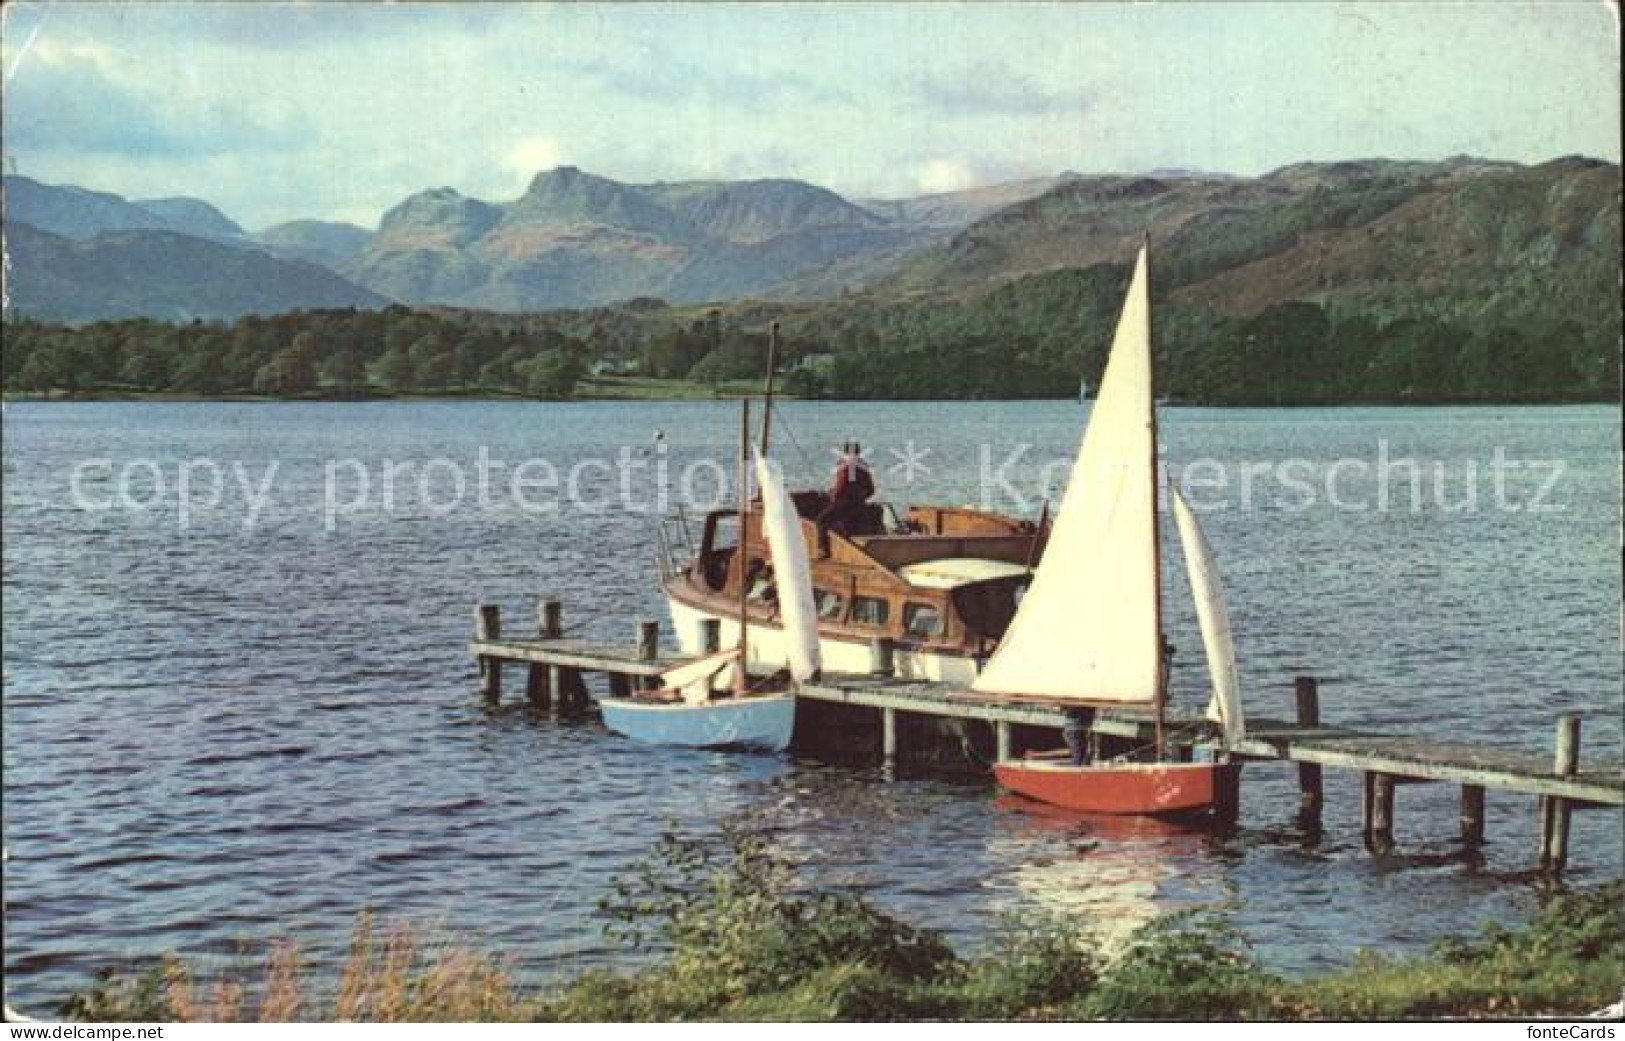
(258, 718)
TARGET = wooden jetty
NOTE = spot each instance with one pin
(883, 703)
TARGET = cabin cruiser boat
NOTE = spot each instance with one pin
(941, 583)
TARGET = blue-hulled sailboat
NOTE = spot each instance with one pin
(689, 710)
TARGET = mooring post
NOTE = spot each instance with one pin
(710, 635)
(1555, 810)
(1472, 814)
(488, 626)
(882, 661)
(648, 648)
(648, 640)
(1001, 735)
(539, 685)
(888, 734)
(1311, 793)
(1380, 812)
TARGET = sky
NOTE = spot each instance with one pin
(340, 110)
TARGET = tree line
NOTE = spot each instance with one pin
(337, 353)
(1037, 337)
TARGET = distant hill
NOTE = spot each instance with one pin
(331, 244)
(78, 213)
(574, 239)
(161, 274)
(1461, 239)
(72, 212)
(954, 210)
(193, 217)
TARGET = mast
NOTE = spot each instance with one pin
(772, 366)
(744, 557)
(1159, 703)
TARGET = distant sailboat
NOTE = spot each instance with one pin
(1089, 630)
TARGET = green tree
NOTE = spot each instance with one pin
(395, 370)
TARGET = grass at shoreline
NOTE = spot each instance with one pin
(743, 939)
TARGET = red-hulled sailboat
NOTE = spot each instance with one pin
(1088, 632)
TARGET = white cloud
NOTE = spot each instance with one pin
(944, 175)
(531, 155)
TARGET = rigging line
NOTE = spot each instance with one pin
(806, 460)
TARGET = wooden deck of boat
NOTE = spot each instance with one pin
(556, 665)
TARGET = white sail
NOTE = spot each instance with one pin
(1087, 628)
(1214, 618)
(694, 680)
(791, 572)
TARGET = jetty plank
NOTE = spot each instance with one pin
(1403, 758)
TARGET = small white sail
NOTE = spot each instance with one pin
(791, 572)
(1214, 618)
(696, 679)
(1086, 630)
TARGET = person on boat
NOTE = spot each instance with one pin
(849, 492)
(1079, 721)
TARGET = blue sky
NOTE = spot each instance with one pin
(340, 110)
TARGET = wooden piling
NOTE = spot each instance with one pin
(1001, 737)
(1472, 814)
(882, 656)
(1310, 791)
(539, 685)
(649, 647)
(1379, 828)
(1555, 810)
(710, 635)
(888, 734)
(488, 626)
(648, 640)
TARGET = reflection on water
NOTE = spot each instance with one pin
(221, 734)
(1109, 874)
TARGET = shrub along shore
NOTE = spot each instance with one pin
(736, 935)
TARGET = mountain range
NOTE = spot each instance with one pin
(1461, 238)
(571, 239)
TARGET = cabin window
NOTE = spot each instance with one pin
(829, 604)
(922, 620)
(721, 543)
(870, 610)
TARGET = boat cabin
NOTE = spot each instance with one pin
(941, 580)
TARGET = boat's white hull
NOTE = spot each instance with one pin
(769, 652)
